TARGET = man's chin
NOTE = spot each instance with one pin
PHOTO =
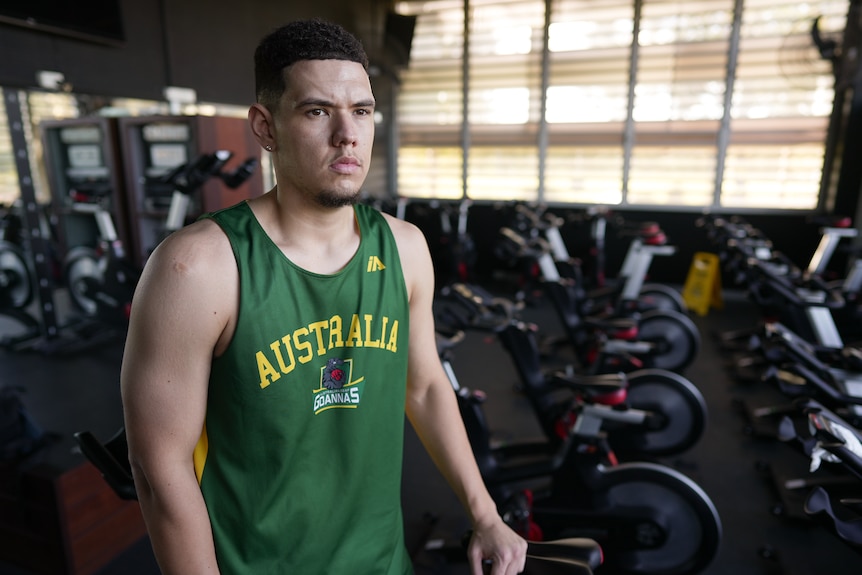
(332, 199)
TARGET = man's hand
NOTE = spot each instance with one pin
(497, 543)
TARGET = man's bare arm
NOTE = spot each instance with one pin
(178, 314)
(433, 411)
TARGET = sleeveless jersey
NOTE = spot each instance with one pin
(300, 458)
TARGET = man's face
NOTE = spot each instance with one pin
(325, 130)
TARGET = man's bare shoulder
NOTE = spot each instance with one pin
(415, 258)
(407, 235)
(201, 247)
(188, 291)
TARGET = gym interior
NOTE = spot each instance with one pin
(655, 197)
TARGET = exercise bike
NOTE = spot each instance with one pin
(619, 340)
(102, 281)
(629, 289)
(827, 439)
(645, 413)
(804, 299)
(16, 293)
(569, 556)
(458, 250)
(648, 518)
(16, 284)
(801, 369)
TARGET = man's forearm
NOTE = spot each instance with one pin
(438, 423)
(178, 527)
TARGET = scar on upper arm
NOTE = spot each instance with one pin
(180, 266)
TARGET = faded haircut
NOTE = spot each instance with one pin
(313, 39)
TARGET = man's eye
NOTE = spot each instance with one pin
(317, 112)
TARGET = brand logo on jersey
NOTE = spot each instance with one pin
(374, 264)
(337, 387)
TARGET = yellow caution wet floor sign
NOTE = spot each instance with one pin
(702, 288)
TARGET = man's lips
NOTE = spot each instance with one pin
(345, 166)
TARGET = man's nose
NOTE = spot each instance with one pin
(344, 131)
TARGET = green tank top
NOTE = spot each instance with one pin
(300, 458)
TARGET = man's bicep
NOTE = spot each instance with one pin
(166, 363)
(163, 387)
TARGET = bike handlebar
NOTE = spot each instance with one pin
(186, 178)
(484, 310)
(567, 556)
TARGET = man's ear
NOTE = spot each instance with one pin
(260, 121)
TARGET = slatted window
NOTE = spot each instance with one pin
(430, 158)
(430, 171)
(36, 107)
(9, 190)
(43, 106)
(589, 52)
(505, 47)
(624, 123)
(781, 104)
(504, 104)
(679, 101)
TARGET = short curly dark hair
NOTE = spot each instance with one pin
(313, 39)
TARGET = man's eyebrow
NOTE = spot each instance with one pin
(314, 102)
(328, 104)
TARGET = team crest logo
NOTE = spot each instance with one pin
(337, 387)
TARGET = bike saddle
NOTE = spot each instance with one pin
(521, 461)
(578, 549)
(566, 556)
(518, 245)
(446, 341)
(611, 323)
(603, 293)
(590, 386)
(485, 311)
(851, 358)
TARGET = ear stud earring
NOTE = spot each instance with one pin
(268, 148)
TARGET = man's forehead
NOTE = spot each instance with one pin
(337, 70)
(327, 78)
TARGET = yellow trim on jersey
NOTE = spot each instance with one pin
(200, 453)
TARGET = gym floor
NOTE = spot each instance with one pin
(66, 394)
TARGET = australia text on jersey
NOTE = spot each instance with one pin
(317, 338)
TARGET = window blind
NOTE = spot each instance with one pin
(43, 106)
(504, 103)
(37, 106)
(666, 151)
(589, 47)
(430, 103)
(679, 101)
(9, 190)
(781, 105)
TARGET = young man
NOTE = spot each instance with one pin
(275, 346)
